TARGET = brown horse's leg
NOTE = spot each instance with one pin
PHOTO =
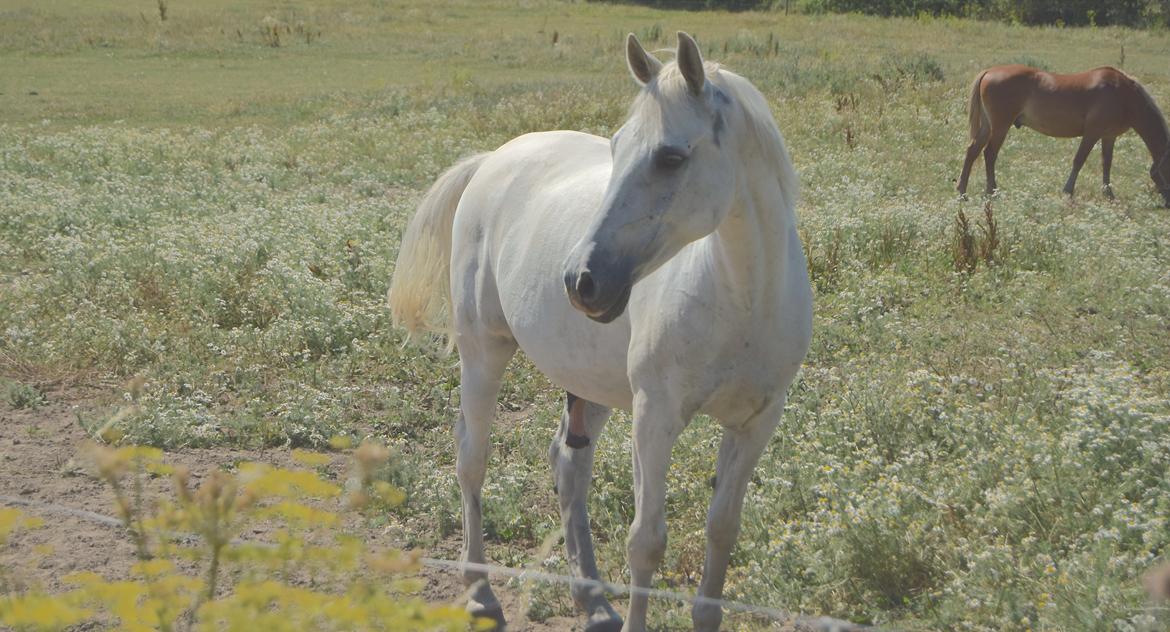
(991, 152)
(1106, 164)
(973, 150)
(1079, 161)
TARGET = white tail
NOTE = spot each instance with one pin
(420, 291)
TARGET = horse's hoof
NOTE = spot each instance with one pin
(604, 625)
(494, 614)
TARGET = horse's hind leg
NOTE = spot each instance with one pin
(1079, 161)
(973, 150)
(1106, 165)
(991, 154)
(571, 455)
(738, 455)
(482, 364)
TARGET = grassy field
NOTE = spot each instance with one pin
(200, 215)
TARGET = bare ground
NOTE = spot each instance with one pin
(43, 472)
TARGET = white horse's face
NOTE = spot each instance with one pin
(672, 183)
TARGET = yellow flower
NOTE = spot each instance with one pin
(311, 459)
(37, 611)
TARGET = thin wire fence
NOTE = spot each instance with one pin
(823, 624)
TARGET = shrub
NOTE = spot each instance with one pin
(21, 395)
(1061, 12)
(969, 246)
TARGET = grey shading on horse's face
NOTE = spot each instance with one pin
(672, 181)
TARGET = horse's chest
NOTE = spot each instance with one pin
(729, 357)
(747, 380)
(736, 369)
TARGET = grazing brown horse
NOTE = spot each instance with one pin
(1097, 105)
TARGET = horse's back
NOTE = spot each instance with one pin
(1026, 80)
(1061, 105)
(518, 218)
(1008, 86)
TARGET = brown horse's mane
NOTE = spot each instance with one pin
(1161, 118)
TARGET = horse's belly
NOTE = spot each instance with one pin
(1097, 112)
(1053, 123)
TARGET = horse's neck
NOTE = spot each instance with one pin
(1151, 127)
(753, 243)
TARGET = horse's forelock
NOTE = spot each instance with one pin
(671, 87)
(666, 92)
(671, 83)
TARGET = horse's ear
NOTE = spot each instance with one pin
(642, 65)
(690, 63)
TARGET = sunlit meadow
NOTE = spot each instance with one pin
(200, 215)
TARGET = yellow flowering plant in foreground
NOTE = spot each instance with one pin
(194, 572)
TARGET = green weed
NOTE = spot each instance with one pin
(21, 395)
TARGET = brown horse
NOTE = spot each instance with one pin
(1097, 105)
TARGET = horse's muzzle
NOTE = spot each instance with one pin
(600, 300)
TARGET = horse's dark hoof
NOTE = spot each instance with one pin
(604, 625)
(495, 614)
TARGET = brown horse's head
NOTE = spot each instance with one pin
(1160, 173)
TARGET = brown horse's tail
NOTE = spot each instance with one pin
(975, 109)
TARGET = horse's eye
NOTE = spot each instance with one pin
(670, 158)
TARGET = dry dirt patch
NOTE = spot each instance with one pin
(42, 473)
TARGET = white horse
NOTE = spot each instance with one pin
(688, 293)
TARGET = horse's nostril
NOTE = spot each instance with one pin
(586, 289)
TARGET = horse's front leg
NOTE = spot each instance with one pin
(1106, 165)
(738, 455)
(657, 425)
(571, 454)
(1079, 161)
